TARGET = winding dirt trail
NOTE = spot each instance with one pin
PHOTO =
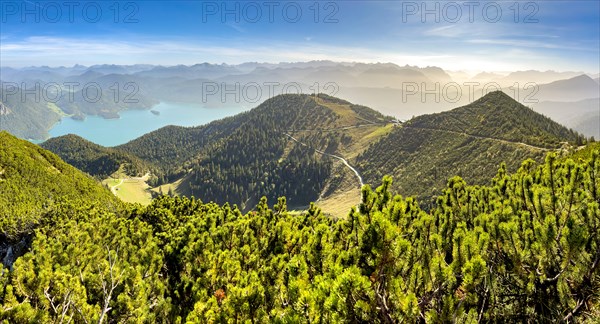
(482, 137)
(360, 180)
(114, 188)
(143, 178)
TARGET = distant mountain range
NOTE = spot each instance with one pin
(399, 91)
(583, 115)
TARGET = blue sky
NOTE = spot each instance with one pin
(461, 35)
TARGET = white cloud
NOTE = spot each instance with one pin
(526, 43)
(444, 31)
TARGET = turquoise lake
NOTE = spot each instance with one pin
(135, 123)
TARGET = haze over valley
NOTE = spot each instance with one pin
(220, 90)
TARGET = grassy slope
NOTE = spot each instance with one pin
(129, 189)
(470, 141)
(497, 115)
(342, 190)
(32, 178)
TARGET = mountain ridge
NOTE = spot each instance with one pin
(430, 149)
(252, 151)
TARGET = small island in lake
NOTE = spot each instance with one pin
(156, 112)
(80, 117)
(108, 114)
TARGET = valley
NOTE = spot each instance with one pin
(129, 189)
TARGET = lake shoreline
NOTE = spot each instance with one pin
(133, 123)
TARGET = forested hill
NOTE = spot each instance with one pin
(172, 148)
(259, 158)
(32, 179)
(470, 141)
(499, 116)
(241, 158)
(293, 146)
(94, 159)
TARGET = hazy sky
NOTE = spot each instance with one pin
(461, 35)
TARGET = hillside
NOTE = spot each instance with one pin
(257, 157)
(92, 158)
(170, 149)
(292, 145)
(24, 115)
(521, 248)
(32, 179)
(470, 141)
(321, 149)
